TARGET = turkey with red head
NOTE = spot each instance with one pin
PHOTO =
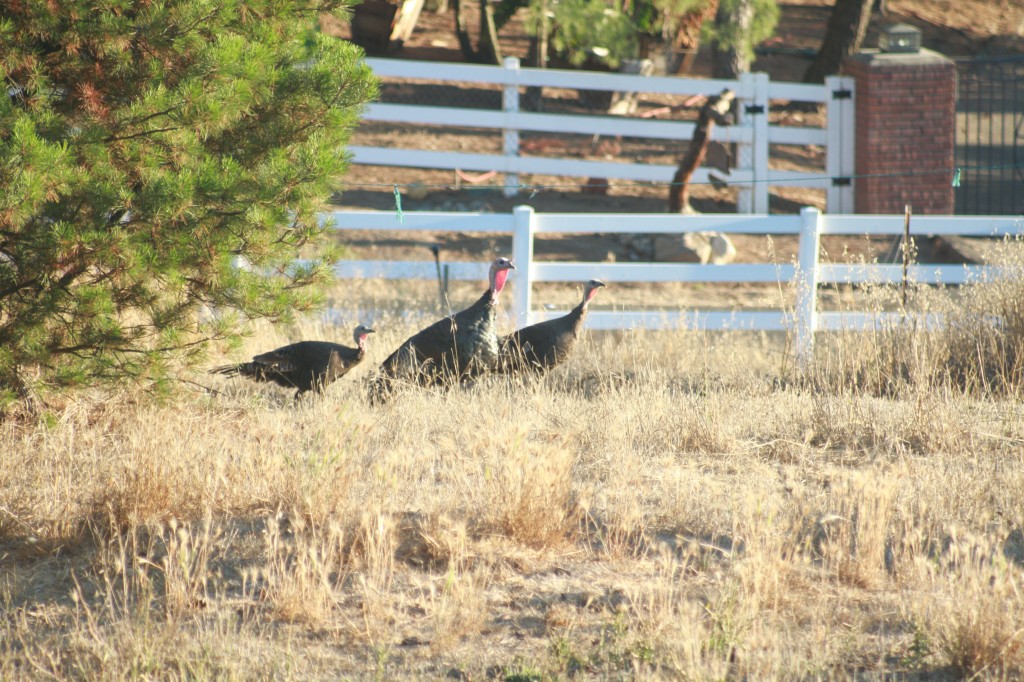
(453, 348)
(547, 344)
(304, 366)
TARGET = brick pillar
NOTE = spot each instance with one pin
(905, 118)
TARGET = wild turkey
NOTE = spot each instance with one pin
(547, 344)
(451, 349)
(305, 366)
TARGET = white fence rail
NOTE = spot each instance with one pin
(752, 133)
(524, 224)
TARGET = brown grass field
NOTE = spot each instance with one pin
(669, 505)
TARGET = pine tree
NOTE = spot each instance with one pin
(148, 148)
(738, 27)
(847, 27)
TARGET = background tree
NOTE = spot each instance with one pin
(579, 29)
(145, 148)
(683, 26)
(609, 31)
(738, 27)
(487, 49)
(847, 26)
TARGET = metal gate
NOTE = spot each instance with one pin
(990, 136)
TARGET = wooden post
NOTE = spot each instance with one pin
(442, 283)
(906, 253)
(807, 286)
(522, 256)
(840, 145)
(716, 110)
(510, 136)
(752, 112)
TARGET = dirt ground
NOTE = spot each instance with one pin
(957, 28)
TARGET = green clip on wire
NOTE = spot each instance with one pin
(956, 178)
(398, 206)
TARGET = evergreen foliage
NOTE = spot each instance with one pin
(147, 148)
(577, 27)
(613, 31)
(746, 23)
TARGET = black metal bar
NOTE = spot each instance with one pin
(990, 147)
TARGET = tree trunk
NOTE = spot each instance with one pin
(487, 50)
(846, 30)
(732, 19)
(490, 50)
(686, 41)
(716, 110)
(462, 33)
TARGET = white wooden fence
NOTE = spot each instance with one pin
(752, 133)
(523, 224)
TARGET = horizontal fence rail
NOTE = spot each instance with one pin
(752, 132)
(523, 224)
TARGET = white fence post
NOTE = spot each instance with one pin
(760, 148)
(522, 256)
(744, 155)
(807, 285)
(841, 143)
(510, 105)
(753, 113)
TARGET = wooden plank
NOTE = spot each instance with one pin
(425, 269)
(550, 123)
(420, 220)
(663, 223)
(591, 80)
(420, 158)
(967, 226)
(892, 274)
(555, 78)
(662, 272)
(670, 320)
(445, 71)
(861, 322)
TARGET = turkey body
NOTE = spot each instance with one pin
(304, 366)
(545, 345)
(451, 349)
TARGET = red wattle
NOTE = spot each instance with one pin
(499, 280)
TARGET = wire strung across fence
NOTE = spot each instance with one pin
(807, 273)
(753, 133)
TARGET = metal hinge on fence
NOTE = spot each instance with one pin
(754, 109)
(842, 93)
(842, 182)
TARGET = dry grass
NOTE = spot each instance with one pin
(662, 507)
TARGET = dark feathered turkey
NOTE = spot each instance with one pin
(304, 366)
(451, 349)
(547, 344)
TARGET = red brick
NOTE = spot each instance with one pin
(905, 117)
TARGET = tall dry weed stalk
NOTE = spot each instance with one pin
(855, 542)
(457, 599)
(532, 496)
(969, 337)
(305, 567)
(971, 608)
(659, 507)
